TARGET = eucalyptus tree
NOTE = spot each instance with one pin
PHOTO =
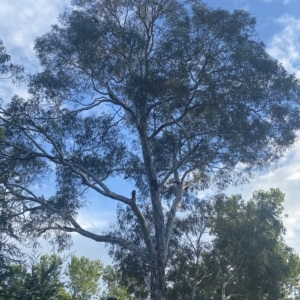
(168, 95)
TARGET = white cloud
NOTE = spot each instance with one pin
(96, 222)
(285, 45)
(20, 23)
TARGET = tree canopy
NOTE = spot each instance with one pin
(40, 281)
(46, 279)
(249, 241)
(84, 275)
(172, 96)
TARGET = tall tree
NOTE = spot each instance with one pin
(167, 94)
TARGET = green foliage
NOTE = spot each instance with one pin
(247, 253)
(44, 280)
(45, 277)
(41, 282)
(113, 285)
(191, 254)
(13, 283)
(249, 240)
(9, 235)
(7, 68)
(64, 295)
(84, 275)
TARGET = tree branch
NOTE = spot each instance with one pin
(179, 164)
(171, 217)
(77, 228)
(102, 238)
(40, 201)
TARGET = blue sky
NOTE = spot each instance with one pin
(278, 26)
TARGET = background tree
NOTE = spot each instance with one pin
(84, 275)
(168, 95)
(41, 281)
(44, 279)
(12, 284)
(191, 263)
(114, 286)
(244, 258)
(254, 259)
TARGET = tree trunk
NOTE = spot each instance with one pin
(158, 284)
(158, 281)
(193, 297)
